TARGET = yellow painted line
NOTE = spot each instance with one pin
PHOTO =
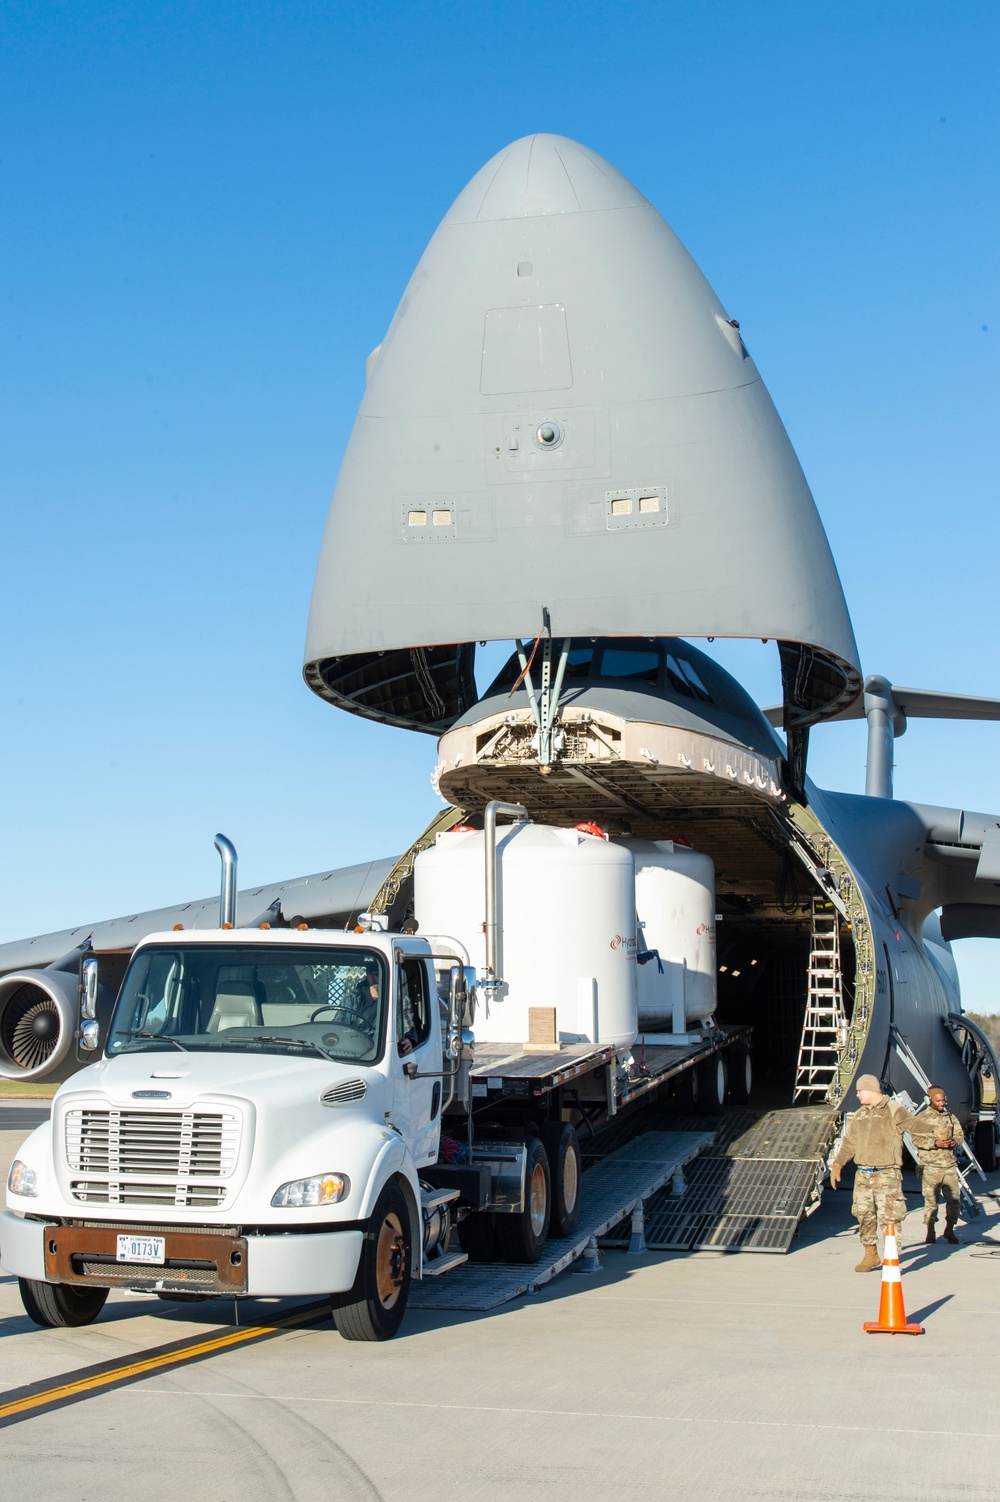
(131, 1370)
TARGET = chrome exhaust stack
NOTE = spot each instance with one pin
(227, 894)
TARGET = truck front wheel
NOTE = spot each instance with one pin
(59, 1306)
(522, 1236)
(374, 1307)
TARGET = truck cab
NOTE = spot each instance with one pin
(257, 1124)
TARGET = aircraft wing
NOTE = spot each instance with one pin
(330, 899)
(911, 704)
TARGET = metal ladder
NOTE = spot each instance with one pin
(824, 1026)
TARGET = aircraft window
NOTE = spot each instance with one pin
(622, 663)
(579, 661)
(692, 677)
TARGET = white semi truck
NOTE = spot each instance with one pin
(307, 1111)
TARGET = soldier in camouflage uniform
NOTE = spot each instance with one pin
(938, 1170)
(874, 1139)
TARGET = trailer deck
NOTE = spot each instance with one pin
(610, 1193)
(506, 1069)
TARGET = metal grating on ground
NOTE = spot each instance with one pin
(610, 1191)
(750, 1192)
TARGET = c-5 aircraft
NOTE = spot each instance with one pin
(564, 444)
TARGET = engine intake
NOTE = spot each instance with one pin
(39, 1018)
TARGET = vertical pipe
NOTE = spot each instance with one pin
(880, 712)
(227, 894)
(494, 807)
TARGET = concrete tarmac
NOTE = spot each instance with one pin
(705, 1377)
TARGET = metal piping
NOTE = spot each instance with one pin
(520, 813)
(227, 894)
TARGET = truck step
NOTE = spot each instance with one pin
(435, 1198)
(444, 1263)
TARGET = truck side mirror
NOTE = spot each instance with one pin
(88, 990)
(89, 1028)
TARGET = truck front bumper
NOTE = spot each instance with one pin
(286, 1263)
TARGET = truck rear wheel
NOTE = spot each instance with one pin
(522, 1236)
(59, 1306)
(712, 1079)
(740, 1075)
(374, 1307)
(562, 1147)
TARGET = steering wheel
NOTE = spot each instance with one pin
(352, 1018)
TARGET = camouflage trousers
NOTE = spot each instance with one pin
(934, 1177)
(878, 1198)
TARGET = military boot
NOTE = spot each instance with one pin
(870, 1261)
(949, 1232)
(931, 1236)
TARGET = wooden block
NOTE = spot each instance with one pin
(542, 1035)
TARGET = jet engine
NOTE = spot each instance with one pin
(40, 1021)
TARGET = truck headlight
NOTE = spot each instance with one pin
(322, 1189)
(22, 1180)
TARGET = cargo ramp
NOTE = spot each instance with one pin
(747, 1192)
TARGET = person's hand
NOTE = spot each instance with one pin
(945, 1142)
(405, 1046)
(835, 1176)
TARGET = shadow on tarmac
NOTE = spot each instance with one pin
(917, 1316)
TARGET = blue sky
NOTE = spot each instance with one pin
(210, 211)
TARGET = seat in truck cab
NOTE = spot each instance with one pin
(236, 1005)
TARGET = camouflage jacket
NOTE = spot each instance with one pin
(942, 1124)
(874, 1135)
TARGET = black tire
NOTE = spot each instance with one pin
(477, 1235)
(985, 1146)
(712, 1079)
(522, 1237)
(374, 1307)
(740, 1075)
(689, 1090)
(60, 1306)
(562, 1148)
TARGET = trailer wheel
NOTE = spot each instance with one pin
(374, 1307)
(713, 1083)
(985, 1147)
(59, 1306)
(740, 1075)
(688, 1086)
(562, 1147)
(523, 1236)
(477, 1235)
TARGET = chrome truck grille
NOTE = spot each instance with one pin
(151, 1157)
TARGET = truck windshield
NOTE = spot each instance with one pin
(254, 998)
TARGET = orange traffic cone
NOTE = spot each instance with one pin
(891, 1314)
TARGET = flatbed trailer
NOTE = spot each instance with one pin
(504, 1074)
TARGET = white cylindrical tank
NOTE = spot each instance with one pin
(566, 927)
(675, 917)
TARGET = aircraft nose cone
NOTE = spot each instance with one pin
(540, 175)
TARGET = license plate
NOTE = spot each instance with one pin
(142, 1249)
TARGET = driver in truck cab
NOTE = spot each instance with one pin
(364, 1003)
